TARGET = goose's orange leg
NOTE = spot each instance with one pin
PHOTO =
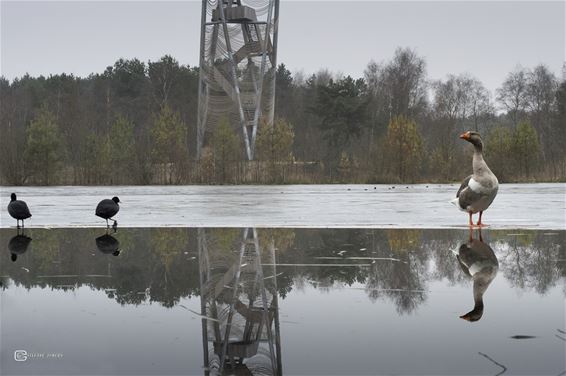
(471, 222)
(479, 221)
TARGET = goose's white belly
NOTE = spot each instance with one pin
(486, 267)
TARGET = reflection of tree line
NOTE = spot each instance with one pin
(152, 264)
(160, 265)
(537, 267)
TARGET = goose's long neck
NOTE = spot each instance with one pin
(480, 287)
(479, 165)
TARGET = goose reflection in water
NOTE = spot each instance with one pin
(18, 245)
(108, 244)
(480, 263)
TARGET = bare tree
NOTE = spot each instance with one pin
(451, 98)
(512, 95)
(162, 75)
(324, 76)
(479, 101)
(541, 90)
(379, 103)
(449, 108)
(542, 86)
(404, 81)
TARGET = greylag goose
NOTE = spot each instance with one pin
(478, 261)
(107, 209)
(18, 209)
(478, 190)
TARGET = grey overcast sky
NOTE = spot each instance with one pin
(485, 39)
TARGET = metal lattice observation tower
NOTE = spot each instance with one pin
(237, 67)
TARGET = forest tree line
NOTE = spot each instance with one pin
(135, 123)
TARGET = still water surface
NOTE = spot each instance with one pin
(187, 301)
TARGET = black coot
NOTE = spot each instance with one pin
(18, 209)
(107, 209)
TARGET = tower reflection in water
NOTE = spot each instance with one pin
(479, 262)
(240, 325)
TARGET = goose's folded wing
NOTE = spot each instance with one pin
(468, 197)
(464, 185)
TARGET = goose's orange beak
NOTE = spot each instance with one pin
(465, 136)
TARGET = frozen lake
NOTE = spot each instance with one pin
(337, 279)
(528, 206)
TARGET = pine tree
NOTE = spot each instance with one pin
(169, 136)
(121, 145)
(525, 147)
(225, 149)
(44, 149)
(404, 147)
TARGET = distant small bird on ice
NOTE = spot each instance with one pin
(107, 209)
(18, 209)
(478, 190)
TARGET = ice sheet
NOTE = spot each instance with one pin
(528, 206)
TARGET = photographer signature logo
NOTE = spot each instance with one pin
(23, 355)
(20, 355)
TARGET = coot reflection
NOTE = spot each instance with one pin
(480, 263)
(108, 244)
(18, 245)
